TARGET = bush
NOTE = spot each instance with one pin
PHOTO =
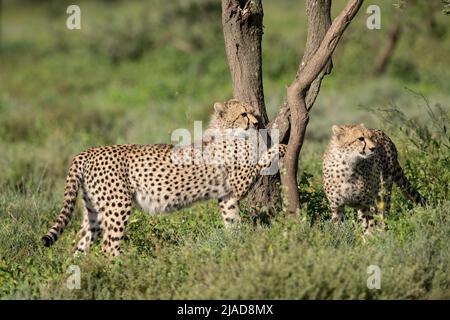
(426, 147)
(123, 39)
(405, 70)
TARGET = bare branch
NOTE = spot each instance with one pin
(313, 66)
(308, 71)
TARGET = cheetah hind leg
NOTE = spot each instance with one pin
(229, 207)
(337, 214)
(365, 217)
(384, 200)
(90, 227)
(114, 227)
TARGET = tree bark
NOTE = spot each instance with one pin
(315, 63)
(242, 26)
(242, 22)
(319, 21)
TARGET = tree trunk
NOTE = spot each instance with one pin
(242, 22)
(391, 43)
(319, 21)
(316, 62)
(242, 27)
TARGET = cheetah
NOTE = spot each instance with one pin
(359, 168)
(163, 178)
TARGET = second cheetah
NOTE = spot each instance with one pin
(359, 168)
(113, 177)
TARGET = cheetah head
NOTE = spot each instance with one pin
(354, 140)
(234, 114)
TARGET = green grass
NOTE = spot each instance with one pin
(64, 91)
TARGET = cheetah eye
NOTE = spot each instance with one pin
(244, 114)
(361, 138)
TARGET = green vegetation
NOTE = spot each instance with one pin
(134, 73)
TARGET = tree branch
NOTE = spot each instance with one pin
(313, 66)
(392, 40)
(309, 70)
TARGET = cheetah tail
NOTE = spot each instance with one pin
(70, 197)
(407, 188)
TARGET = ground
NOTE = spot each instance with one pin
(63, 91)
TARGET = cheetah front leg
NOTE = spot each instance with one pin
(242, 177)
(229, 206)
(271, 157)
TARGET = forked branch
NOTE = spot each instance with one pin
(297, 92)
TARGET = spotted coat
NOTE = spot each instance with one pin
(359, 168)
(114, 178)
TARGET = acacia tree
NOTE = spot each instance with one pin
(242, 22)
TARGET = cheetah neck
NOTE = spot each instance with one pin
(215, 123)
(345, 158)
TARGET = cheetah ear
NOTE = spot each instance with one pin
(362, 125)
(337, 130)
(219, 107)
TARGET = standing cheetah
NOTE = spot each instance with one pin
(359, 168)
(160, 178)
